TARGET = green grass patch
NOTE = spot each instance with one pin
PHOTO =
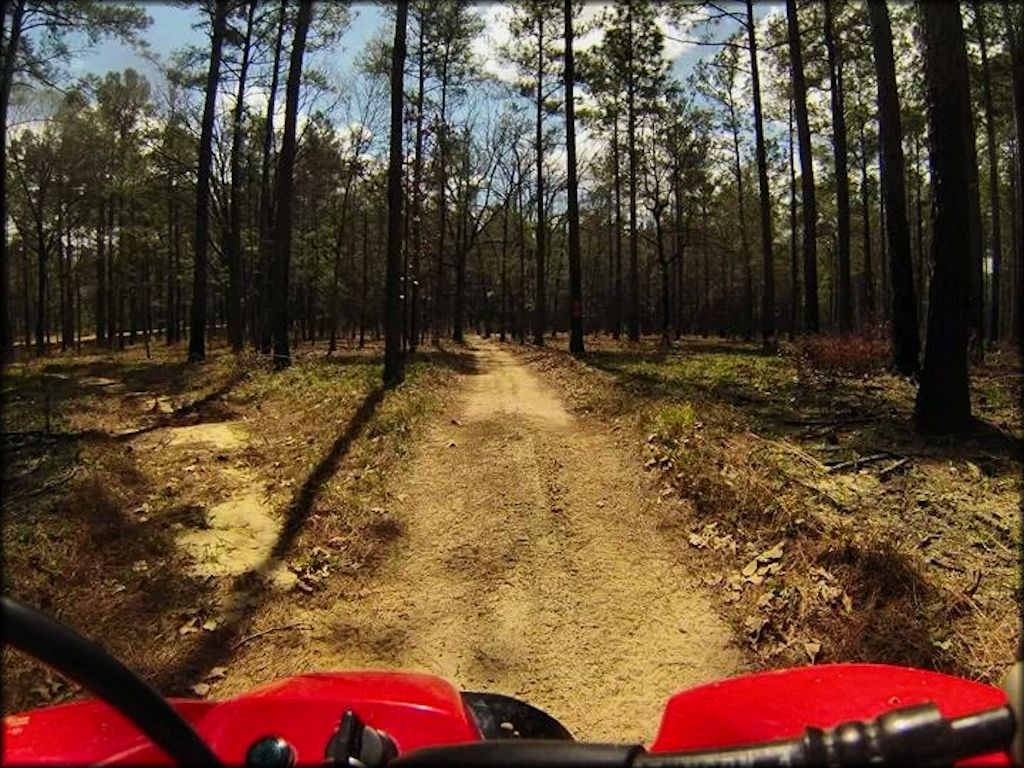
(725, 375)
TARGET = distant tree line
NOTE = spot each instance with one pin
(810, 176)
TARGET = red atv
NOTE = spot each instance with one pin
(836, 715)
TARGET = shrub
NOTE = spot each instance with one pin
(867, 351)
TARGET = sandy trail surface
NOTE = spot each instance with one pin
(530, 566)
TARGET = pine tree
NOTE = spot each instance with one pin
(943, 400)
(201, 242)
(905, 341)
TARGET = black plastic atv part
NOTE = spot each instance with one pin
(87, 664)
(521, 754)
(357, 744)
(504, 717)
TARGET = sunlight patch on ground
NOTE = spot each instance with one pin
(223, 434)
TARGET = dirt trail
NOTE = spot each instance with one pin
(529, 567)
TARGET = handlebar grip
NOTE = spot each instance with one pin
(1013, 684)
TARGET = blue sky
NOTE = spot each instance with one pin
(175, 27)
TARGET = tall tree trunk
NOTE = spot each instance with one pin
(794, 268)
(807, 194)
(504, 276)
(767, 255)
(659, 247)
(417, 191)
(461, 247)
(440, 289)
(634, 171)
(575, 278)
(101, 277)
(42, 327)
(339, 244)
(169, 321)
(679, 247)
(741, 199)
(68, 330)
(364, 284)
(905, 338)
(705, 268)
(78, 310)
(1015, 239)
(62, 281)
(540, 297)
(521, 215)
(922, 259)
(839, 145)
(233, 246)
(1015, 38)
(179, 314)
(285, 193)
(392, 288)
(197, 332)
(976, 297)
(26, 304)
(865, 204)
(113, 328)
(617, 223)
(943, 400)
(883, 261)
(993, 176)
(11, 41)
(264, 285)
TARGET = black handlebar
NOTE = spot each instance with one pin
(90, 666)
(918, 736)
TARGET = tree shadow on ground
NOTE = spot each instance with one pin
(194, 411)
(170, 377)
(110, 591)
(654, 351)
(839, 410)
(459, 360)
(249, 592)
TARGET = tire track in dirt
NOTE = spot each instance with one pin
(530, 566)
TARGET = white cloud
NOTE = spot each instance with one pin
(488, 45)
(675, 37)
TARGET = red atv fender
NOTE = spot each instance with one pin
(768, 706)
(418, 710)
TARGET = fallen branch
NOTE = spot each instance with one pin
(855, 463)
(886, 471)
(818, 491)
(935, 560)
(975, 583)
(831, 422)
(245, 640)
(792, 449)
(56, 482)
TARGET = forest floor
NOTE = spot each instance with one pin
(589, 536)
